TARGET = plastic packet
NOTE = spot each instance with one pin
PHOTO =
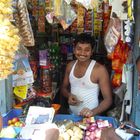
(68, 1)
(94, 3)
(68, 16)
(117, 79)
(50, 15)
(112, 34)
(58, 8)
(130, 4)
(41, 24)
(80, 18)
(85, 3)
(23, 23)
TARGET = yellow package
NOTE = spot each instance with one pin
(130, 14)
(21, 91)
(58, 5)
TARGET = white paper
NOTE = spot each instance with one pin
(118, 9)
(39, 115)
(85, 3)
(123, 134)
(68, 1)
(36, 131)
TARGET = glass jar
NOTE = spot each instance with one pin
(46, 79)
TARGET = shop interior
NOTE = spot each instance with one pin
(43, 32)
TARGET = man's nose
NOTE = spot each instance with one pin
(82, 52)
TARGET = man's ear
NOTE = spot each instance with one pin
(92, 52)
(74, 49)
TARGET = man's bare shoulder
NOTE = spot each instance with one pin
(100, 70)
(99, 67)
(69, 65)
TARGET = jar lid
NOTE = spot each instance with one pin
(46, 67)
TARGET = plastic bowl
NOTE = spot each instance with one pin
(56, 107)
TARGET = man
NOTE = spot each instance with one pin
(86, 77)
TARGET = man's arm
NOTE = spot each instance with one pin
(105, 87)
(109, 134)
(65, 85)
(72, 99)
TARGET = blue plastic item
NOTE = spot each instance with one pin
(75, 118)
(11, 114)
(8, 139)
(60, 117)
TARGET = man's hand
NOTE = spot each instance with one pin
(52, 134)
(72, 100)
(128, 129)
(109, 134)
(86, 112)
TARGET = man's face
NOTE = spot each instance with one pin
(83, 52)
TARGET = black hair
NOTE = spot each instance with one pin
(138, 59)
(85, 38)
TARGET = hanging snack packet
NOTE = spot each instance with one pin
(97, 21)
(80, 18)
(130, 9)
(41, 24)
(106, 15)
(50, 15)
(23, 74)
(112, 34)
(85, 3)
(58, 8)
(94, 3)
(68, 16)
(88, 24)
(73, 27)
(68, 1)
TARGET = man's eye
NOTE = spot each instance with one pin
(78, 49)
(87, 50)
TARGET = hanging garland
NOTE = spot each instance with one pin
(9, 39)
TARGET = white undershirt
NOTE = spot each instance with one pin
(84, 89)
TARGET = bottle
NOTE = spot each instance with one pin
(46, 79)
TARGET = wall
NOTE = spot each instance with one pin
(2, 96)
(6, 95)
(136, 94)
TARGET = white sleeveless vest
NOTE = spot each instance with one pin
(84, 89)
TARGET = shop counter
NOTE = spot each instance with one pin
(57, 117)
(76, 118)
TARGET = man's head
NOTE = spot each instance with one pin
(84, 46)
(85, 38)
(138, 63)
